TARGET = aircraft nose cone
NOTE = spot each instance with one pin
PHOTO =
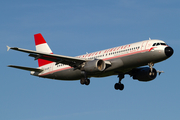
(169, 51)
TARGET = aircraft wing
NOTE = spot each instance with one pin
(71, 61)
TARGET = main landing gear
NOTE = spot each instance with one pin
(119, 85)
(85, 80)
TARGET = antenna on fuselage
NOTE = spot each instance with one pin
(149, 38)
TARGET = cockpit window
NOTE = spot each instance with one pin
(154, 44)
(163, 43)
(158, 44)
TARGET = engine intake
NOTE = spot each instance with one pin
(144, 74)
(95, 66)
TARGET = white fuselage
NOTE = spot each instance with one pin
(121, 59)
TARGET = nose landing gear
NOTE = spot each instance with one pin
(151, 68)
(85, 80)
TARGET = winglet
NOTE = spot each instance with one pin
(8, 48)
(160, 72)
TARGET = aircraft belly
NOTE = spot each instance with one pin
(136, 60)
(126, 63)
(118, 65)
(69, 74)
(141, 59)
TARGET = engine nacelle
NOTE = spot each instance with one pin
(145, 74)
(95, 66)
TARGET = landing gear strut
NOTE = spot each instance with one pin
(119, 85)
(151, 68)
(84, 80)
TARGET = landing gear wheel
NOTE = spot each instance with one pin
(82, 81)
(87, 82)
(116, 86)
(119, 86)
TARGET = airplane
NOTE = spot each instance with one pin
(128, 59)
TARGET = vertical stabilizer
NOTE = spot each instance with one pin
(42, 46)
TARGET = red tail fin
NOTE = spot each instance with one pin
(42, 46)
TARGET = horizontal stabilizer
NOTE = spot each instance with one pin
(160, 72)
(8, 48)
(26, 68)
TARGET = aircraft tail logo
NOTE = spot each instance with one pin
(42, 46)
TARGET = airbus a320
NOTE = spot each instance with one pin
(127, 59)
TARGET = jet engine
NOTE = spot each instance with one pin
(95, 66)
(144, 74)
